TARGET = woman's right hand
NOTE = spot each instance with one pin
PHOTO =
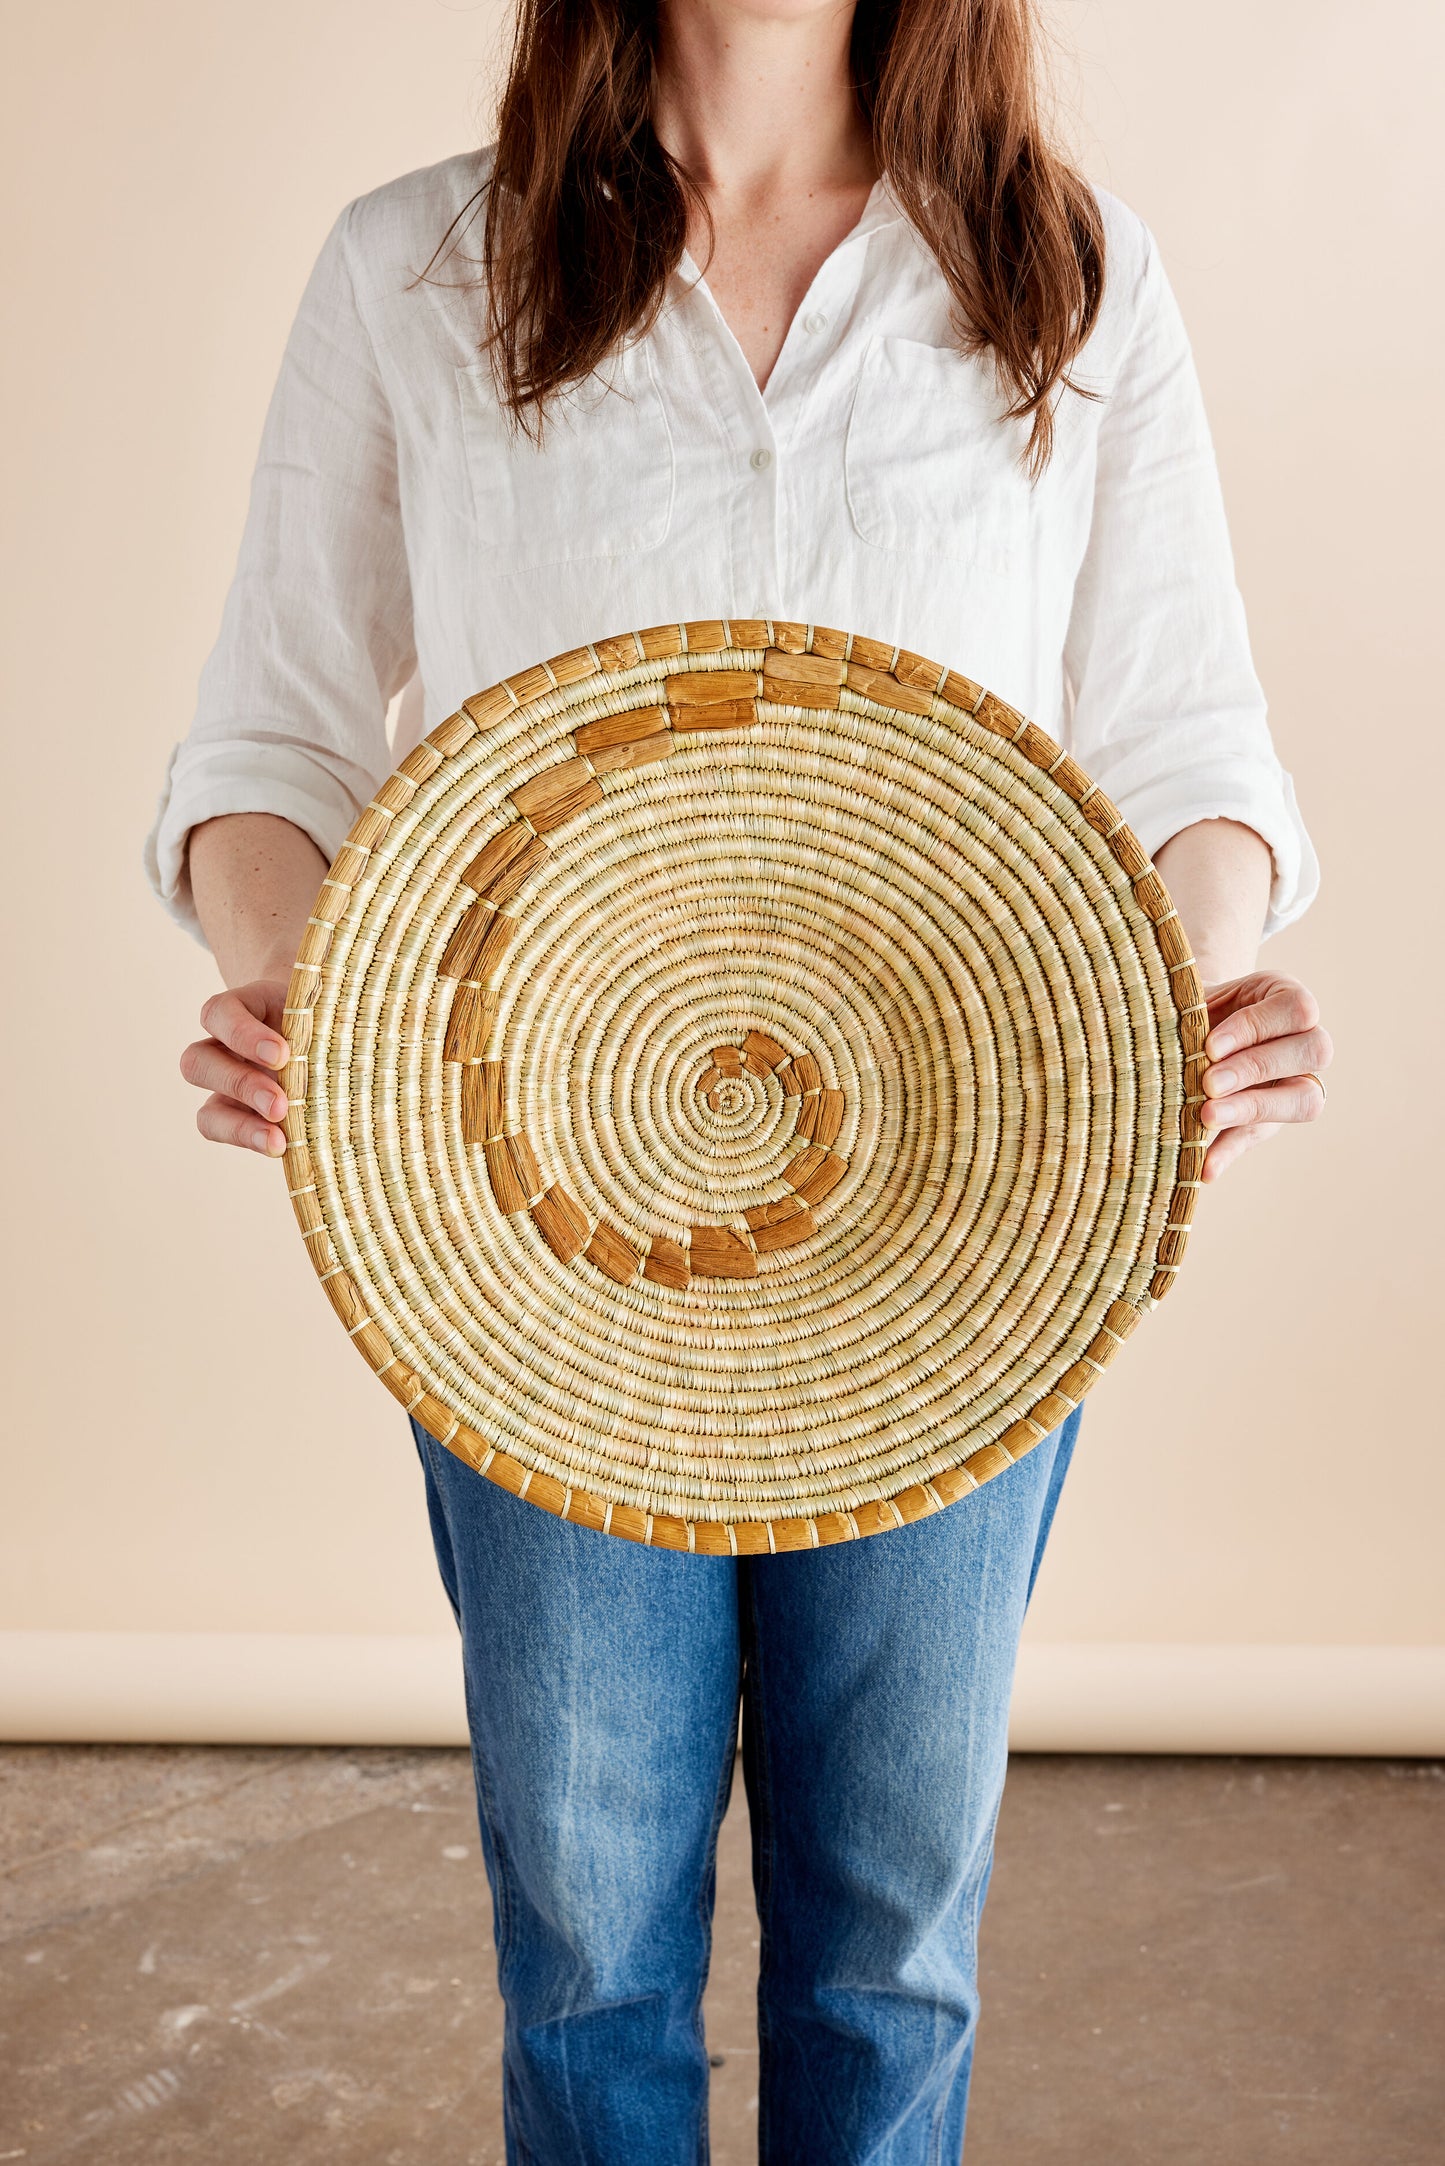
(237, 1062)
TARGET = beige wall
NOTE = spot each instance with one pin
(193, 1446)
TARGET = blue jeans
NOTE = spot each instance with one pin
(602, 1688)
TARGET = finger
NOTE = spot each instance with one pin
(1286, 1007)
(1232, 1143)
(209, 1066)
(266, 998)
(221, 1120)
(1226, 1000)
(229, 1020)
(1296, 1099)
(1272, 1059)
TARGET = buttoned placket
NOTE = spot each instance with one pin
(759, 424)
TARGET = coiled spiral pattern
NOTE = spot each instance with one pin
(744, 1085)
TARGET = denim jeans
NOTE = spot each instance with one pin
(602, 1690)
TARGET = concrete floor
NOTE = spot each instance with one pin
(241, 1955)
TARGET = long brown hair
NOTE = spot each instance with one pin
(591, 213)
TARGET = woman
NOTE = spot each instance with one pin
(933, 387)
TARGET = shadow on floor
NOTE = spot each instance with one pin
(235, 1954)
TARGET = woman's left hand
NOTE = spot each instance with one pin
(1264, 1037)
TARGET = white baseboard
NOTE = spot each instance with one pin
(1121, 1696)
(232, 1688)
(349, 1689)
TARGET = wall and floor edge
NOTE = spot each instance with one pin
(278, 1688)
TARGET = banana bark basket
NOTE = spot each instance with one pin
(745, 1085)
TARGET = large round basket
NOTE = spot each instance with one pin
(745, 1085)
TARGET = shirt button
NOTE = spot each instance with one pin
(762, 457)
(815, 320)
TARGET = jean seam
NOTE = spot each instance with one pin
(427, 1448)
(720, 1798)
(519, 2152)
(767, 1854)
(935, 2148)
(486, 1796)
(487, 1805)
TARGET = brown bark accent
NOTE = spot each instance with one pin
(822, 1178)
(815, 669)
(636, 755)
(877, 684)
(620, 729)
(460, 952)
(706, 687)
(784, 1232)
(801, 694)
(556, 794)
(829, 1117)
(730, 714)
(613, 1253)
(513, 1172)
(470, 1018)
(482, 1118)
(804, 1163)
(495, 942)
(562, 1223)
(666, 1263)
(718, 1252)
(767, 1050)
(916, 669)
(503, 863)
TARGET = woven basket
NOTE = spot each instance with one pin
(745, 1085)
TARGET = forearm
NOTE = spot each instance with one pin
(1218, 874)
(255, 878)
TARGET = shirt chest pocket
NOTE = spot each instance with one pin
(600, 485)
(930, 469)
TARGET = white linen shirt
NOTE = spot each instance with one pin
(400, 539)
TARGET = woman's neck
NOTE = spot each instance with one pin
(760, 108)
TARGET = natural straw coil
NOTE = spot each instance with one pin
(745, 1085)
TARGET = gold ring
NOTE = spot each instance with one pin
(1320, 1080)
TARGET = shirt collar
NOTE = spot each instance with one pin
(882, 208)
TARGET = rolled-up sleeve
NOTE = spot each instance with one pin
(316, 629)
(1168, 715)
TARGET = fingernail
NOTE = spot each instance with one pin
(273, 1050)
(1221, 1046)
(1223, 1079)
(261, 1140)
(272, 1108)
